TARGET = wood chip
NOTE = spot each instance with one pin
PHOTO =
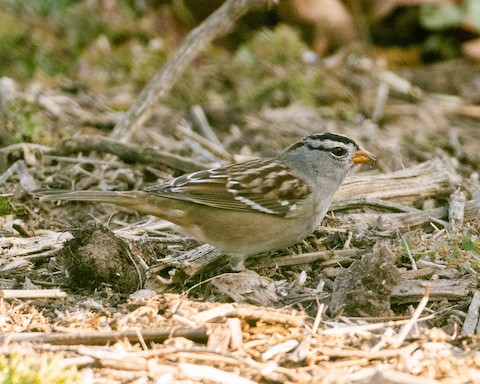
(411, 291)
(471, 325)
(201, 372)
(285, 347)
(456, 210)
(214, 314)
(236, 339)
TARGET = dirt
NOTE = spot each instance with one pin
(96, 257)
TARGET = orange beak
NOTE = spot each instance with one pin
(362, 156)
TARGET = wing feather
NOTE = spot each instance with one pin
(264, 185)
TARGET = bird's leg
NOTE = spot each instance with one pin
(237, 262)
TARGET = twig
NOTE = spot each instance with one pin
(8, 173)
(359, 202)
(78, 160)
(471, 321)
(380, 102)
(370, 355)
(456, 210)
(27, 181)
(213, 148)
(304, 258)
(186, 133)
(31, 147)
(284, 347)
(32, 294)
(290, 318)
(318, 317)
(398, 341)
(410, 291)
(192, 262)
(35, 248)
(205, 128)
(392, 222)
(410, 256)
(354, 329)
(220, 22)
(270, 316)
(93, 337)
(236, 336)
(127, 153)
(391, 79)
(213, 313)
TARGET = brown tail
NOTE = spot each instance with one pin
(136, 200)
(118, 198)
(140, 201)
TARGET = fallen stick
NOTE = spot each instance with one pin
(218, 23)
(127, 152)
(94, 337)
(32, 293)
(431, 178)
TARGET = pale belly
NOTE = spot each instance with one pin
(258, 234)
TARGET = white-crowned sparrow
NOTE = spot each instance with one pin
(246, 208)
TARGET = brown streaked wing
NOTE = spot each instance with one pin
(242, 187)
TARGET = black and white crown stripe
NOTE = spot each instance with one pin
(325, 141)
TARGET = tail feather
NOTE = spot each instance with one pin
(140, 201)
(115, 197)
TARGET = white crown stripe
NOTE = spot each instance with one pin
(329, 144)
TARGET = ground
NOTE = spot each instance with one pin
(384, 291)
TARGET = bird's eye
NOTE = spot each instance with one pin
(338, 151)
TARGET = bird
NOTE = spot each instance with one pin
(248, 208)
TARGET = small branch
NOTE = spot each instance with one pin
(345, 353)
(387, 224)
(35, 248)
(220, 22)
(214, 313)
(204, 126)
(32, 293)
(398, 341)
(272, 316)
(456, 210)
(471, 321)
(411, 291)
(332, 256)
(191, 263)
(361, 202)
(431, 178)
(210, 146)
(94, 337)
(127, 153)
(27, 181)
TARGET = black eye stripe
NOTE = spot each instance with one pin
(338, 151)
